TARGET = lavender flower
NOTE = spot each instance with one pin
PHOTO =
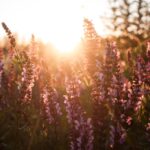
(51, 105)
(81, 129)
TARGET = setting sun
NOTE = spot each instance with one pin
(59, 22)
(66, 44)
(68, 38)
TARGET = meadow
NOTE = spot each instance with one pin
(97, 98)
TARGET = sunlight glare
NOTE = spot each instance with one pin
(66, 44)
(68, 36)
(59, 22)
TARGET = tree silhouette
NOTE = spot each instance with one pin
(130, 19)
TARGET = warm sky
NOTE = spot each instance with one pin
(50, 20)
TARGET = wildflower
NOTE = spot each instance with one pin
(81, 129)
(9, 34)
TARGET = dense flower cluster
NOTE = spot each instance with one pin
(108, 100)
(43, 106)
(81, 129)
(119, 104)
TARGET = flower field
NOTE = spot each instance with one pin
(93, 100)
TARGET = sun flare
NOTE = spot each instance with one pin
(65, 34)
(66, 44)
(67, 39)
(59, 22)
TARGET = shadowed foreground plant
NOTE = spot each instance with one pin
(108, 96)
(141, 91)
(81, 129)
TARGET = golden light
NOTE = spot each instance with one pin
(59, 22)
(66, 44)
(64, 34)
(68, 36)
